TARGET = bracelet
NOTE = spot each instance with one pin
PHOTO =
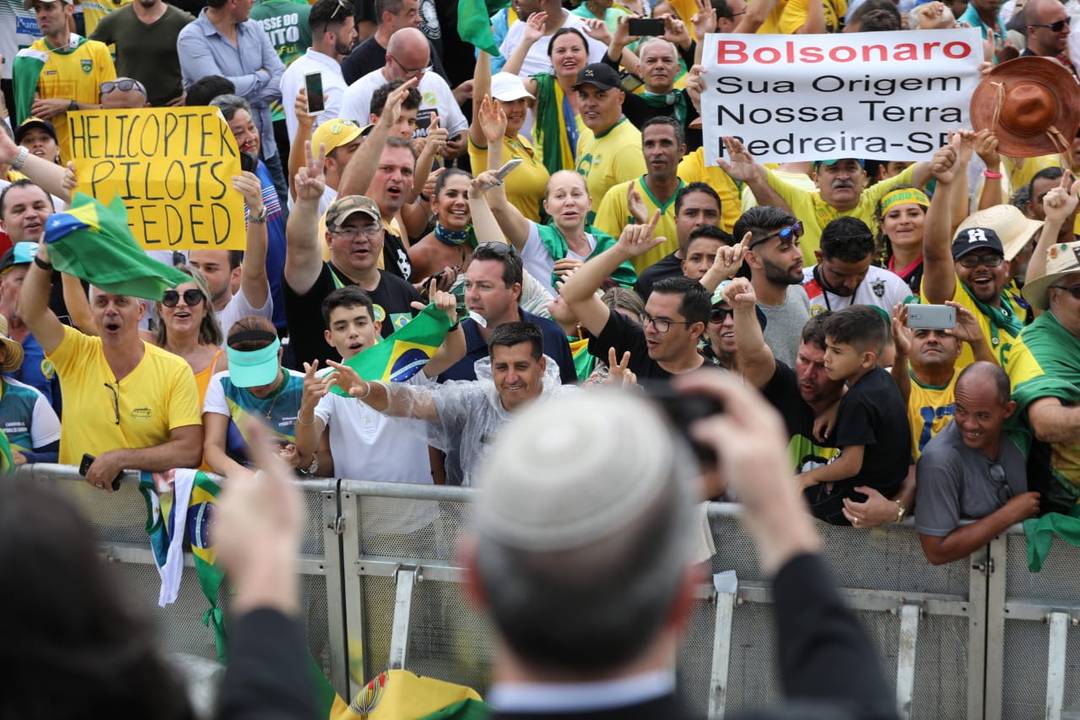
(455, 326)
(42, 264)
(990, 174)
(368, 386)
(305, 424)
(901, 511)
(20, 158)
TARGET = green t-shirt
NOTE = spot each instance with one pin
(286, 24)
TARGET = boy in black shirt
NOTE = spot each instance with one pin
(872, 429)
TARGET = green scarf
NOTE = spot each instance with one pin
(550, 127)
(557, 248)
(1040, 533)
(26, 69)
(662, 101)
(1001, 318)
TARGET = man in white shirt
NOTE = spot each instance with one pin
(332, 33)
(408, 55)
(537, 61)
(844, 275)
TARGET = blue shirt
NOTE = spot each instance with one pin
(476, 348)
(38, 373)
(275, 242)
(28, 422)
(252, 65)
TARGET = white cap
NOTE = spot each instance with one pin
(508, 87)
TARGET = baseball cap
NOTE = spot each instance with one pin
(718, 297)
(32, 123)
(830, 163)
(598, 75)
(1013, 228)
(252, 368)
(20, 254)
(345, 207)
(508, 87)
(979, 238)
(332, 134)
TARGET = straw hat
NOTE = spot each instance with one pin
(1011, 225)
(13, 350)
(1032, 104)
(1061, 259)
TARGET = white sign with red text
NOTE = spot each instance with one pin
(880, 95)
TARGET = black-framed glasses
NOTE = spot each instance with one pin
(192, 297)
(662, 324)
(1054, 26)
(719, 314)
(973, 261)
(1073, 290)
(789, 233)
(1001, 486)
(115, 392)
(123, 85)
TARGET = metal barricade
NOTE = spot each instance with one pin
(120, 521)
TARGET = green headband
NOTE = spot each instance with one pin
(903, 196)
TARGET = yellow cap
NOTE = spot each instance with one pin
(332, 134)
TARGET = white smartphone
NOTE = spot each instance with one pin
(507, 168)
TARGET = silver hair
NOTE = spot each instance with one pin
(229, 104)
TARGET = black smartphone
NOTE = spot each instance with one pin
(313, 85)
(641, 27)
(683, 411)
(248, 163)
(84, 467)
(423, 119)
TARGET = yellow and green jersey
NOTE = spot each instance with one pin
(614, 214)
(610, 158)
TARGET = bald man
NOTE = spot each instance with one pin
(1047, 30)
(408, 55)
(971, 470)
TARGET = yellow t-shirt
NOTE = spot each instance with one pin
(526, 185)
(999, 339)
(692, 168)
(930, 408)
(815, 213)
(614, 214)
(158, 396)
(790, 15)
(76, 75)
(613, 157)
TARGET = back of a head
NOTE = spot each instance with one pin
(94, 656)
(847, 239)
(583, 529)
(880, 21)
(205, 89)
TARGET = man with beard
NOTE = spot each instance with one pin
(145, 34)
(776, 272)
(332, 33)
(844, 274)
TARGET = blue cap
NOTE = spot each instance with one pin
(21, 254)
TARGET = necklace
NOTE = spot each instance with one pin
(269, 412)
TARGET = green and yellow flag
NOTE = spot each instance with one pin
(474, 26)
(399, 694)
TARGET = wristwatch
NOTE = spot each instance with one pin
(901, 511)
(259, 217)
(313, 467)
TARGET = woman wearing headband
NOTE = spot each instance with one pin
(901, 214)
(255, 385)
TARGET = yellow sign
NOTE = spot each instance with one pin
(171, 166)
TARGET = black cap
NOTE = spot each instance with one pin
(30, 124)
(598, 75)
(972, 239)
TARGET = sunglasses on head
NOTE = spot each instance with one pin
(171, 298)
(786, 234)
(123, 85)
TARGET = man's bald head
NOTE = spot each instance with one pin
(1042, 39)
(408, 40)
(985, 377)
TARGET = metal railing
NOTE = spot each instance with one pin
(981, 638)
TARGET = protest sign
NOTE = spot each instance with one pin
(881, 95)
(172, 167)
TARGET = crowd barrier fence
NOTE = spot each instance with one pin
(979, 639)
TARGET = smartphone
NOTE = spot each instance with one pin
(683, 411)
(641, 27)
(507, 168)
(931, 317)
(248, 163)
(423, 120)
(313, 85)
(84, 467)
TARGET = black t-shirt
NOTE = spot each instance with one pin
(782, 392)
(665, 267)
(304, 313)
(872, 414)
(623, 335)
(396, 257)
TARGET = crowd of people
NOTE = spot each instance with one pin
(556, 203)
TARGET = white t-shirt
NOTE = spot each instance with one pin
(435, 94)
(537, 60)
(239, 307)
(18, 30)
(292, 82)
(538, 261)
(880, 287)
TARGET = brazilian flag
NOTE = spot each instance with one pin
(399, 694)
(474, 26)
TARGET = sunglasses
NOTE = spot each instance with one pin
(786, 234)
(1001, 486)
(123, 85)
(719, 314)
(192, 297)
(1054, 26)
(1073, 290)
(972, 261)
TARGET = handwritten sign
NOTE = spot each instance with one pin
(880, 95)
(171, 166)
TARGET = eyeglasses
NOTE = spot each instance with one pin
(192, 297)
(407, 70)
(1054, 26)
(351, 233)
(123, 85)
(791, 233)
(720, 314)
(662, 325)
(1073, 290)
(972, 262)
(1001, 487)
(115, 400)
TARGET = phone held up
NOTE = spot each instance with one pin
(314, 88)
(931, 317)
